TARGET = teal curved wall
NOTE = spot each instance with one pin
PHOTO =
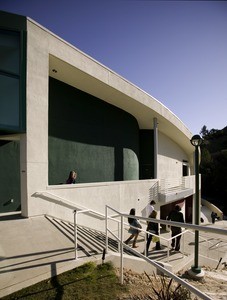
(86, 134)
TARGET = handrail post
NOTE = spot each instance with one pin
(145, 244)
(168, 252)
(119, 243)
(106, 224)
(121, 256)
(218, 252)
(75, 233)
(208, 249)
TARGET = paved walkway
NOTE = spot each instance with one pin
(31, 250)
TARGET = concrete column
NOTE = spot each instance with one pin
(23, 175)
(36, 175)
(155, 148)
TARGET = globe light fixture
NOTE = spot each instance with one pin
(196, 140)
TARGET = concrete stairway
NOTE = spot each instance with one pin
(37, 248)
(92, 242)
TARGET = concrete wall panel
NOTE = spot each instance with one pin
(170, 158)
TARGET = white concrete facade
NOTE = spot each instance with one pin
(170, 158)
(47, 52)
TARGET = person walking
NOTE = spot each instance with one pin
(213, 217)
(134, 229)
(177, 216)
(152, 228)
(150, 208)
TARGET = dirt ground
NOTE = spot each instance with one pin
(213, 284)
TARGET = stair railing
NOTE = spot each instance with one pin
(122, 244)
(152, 262)
(75, 230)
(78, 208)
(212, 246)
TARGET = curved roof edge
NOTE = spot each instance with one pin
(78, 69)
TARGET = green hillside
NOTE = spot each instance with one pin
(213, 167)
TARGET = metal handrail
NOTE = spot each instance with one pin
(160, 221)
(159, 236)
(177, 224)
(113, 217)
(76, 212)
(169, 185)
(69, 204)
(209, 249)
(152, 262)
(82, 209)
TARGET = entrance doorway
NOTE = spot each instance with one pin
(188, 207)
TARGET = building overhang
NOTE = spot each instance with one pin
(117, 91)
(75, 68)
(174, 195)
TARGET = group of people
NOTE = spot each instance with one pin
(153, 228)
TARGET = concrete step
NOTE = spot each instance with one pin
(92, 242)
(89, 241)
(36, 248)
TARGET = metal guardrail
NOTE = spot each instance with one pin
(169, 185)
(212, 246)
(69, 204)
(152, 262)
(81, 210)
(122, 244)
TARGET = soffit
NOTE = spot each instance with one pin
(125, 96)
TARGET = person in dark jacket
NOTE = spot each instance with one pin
(213, 217)
(152, 228)
(176, 216)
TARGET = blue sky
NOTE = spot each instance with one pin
(174, 50)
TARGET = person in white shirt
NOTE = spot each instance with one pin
(150, 208)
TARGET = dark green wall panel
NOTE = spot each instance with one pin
(97, 139)
(146, 154)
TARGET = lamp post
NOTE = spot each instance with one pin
(196, 141)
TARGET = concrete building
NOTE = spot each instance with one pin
(62, 110)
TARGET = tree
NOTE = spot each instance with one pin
(204, 131)
(213, 167)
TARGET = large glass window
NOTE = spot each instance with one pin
(9, 104)
(9, 52)
(10, 80)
